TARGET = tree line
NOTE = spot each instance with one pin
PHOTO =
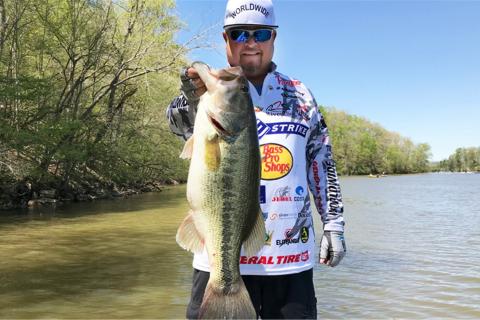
(83, 90)
(463, 160)
(362, 147)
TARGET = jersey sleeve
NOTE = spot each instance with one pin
(322, 174)
(181, 117)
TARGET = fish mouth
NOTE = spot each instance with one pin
(220, 129)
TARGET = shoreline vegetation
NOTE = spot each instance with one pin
(83, 91)
(25, 194)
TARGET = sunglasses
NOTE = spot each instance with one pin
(242, 35)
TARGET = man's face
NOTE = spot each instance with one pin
(254, 57)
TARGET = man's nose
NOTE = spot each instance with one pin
(251, 42)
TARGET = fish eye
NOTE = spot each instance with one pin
(244, 88)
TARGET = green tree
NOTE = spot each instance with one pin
(84, 85)
(462, 160)
(363, 147)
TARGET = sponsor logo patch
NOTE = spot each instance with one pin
(304, 234)
(316, 176)
(280, 128)
(262, 128)
(334, 198)
(287, 82)
(277, 161)
(275, 108)
(286, 242)
(293, 258)
(284, 216)
(262, 194)
(282, 194)
(299, 191)
(304, 256)
(268, 238)
(288, 239)
(287, 215)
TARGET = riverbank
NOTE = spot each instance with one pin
(27, 194)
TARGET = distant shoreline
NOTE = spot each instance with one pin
(21, 195)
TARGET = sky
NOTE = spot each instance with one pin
(411, 66)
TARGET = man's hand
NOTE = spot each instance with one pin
(332, 248)
(192, 86)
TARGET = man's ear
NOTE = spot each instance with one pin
(274, 34)
(225, 36)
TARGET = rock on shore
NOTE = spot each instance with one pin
(24, 194)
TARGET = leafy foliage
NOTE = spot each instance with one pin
(83, 90)
(363, 147)
(463, 160)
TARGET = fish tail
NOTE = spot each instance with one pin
(231, 303)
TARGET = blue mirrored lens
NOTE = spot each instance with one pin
(241, 36)
(262, 35)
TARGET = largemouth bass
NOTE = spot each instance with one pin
(223, 190)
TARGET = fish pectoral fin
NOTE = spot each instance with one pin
(212, 135)
(188, 236)
(256, 239)
(187, 149)
(212, 153)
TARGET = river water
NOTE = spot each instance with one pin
(413, 252)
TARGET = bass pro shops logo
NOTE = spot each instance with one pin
(277, 161)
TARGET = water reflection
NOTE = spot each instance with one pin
(114, 259)
(412, 243)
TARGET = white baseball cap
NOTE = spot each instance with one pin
(249, 12)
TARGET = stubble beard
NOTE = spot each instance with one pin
(252, 70)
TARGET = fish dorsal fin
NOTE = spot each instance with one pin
(187, 149)
(188, 236)
(256, 239)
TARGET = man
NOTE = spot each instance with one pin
(296, 155)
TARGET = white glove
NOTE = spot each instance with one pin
(332, 248)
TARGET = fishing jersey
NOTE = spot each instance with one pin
(296, 159)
